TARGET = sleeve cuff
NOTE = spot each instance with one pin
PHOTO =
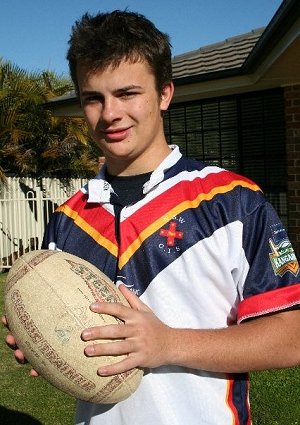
(269, 302)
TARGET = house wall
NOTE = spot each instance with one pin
(292, 118)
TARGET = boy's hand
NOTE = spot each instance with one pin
(19, 355)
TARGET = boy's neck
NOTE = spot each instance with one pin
(117, 167)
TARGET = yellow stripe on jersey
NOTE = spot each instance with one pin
(87, 228)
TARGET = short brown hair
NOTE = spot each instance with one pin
(108, 38)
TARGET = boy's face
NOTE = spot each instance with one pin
(123, 111)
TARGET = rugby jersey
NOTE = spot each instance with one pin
(203, 249)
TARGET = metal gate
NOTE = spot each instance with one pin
(25, 207)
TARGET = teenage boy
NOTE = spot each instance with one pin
(192, 247)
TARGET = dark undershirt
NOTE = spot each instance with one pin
(128, 190)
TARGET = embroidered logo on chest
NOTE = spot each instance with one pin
(170, 235)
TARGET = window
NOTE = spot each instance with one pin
(243, 133)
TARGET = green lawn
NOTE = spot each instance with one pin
(275, 395)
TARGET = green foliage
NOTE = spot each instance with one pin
(275, 395)
(33, 141)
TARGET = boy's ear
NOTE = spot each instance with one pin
(166, 96)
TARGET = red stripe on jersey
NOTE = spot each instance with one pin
(79, 198)
(231, 403)
(187, 191)
(269, 302)
(89, 212)
(248, 404)
(180, 197)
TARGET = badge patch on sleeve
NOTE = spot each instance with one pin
(283, 258)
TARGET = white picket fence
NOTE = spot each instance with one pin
(25, 207)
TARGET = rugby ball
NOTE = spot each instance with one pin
(47, 299)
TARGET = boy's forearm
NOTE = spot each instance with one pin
(264, 343)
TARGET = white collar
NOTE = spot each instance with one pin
(158, 175)
(99, 189)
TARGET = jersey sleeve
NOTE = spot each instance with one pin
(51, 233)
(61, 222)
(273, 279)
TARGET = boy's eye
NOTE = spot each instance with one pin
(128, 94)
(91, 99)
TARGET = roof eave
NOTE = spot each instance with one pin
(53, 103)
(285, 17)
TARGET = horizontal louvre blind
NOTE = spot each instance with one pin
(243, 133)
(262, 140)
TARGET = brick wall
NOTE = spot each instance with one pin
(292, 119)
